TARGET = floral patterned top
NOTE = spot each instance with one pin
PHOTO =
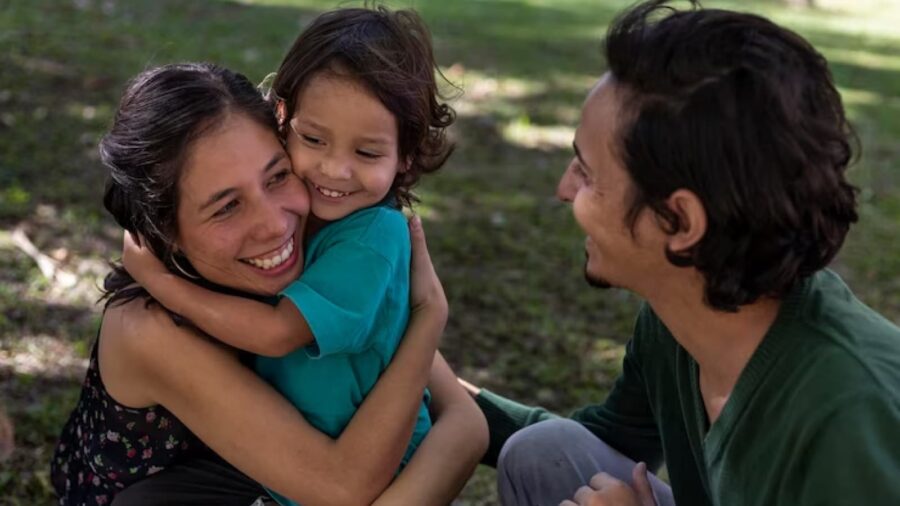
(105, 446)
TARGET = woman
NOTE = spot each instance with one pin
(188, 140)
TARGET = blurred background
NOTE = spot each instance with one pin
(522, 323)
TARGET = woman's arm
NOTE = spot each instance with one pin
(253, 427)
(449, 453)
(257, 327)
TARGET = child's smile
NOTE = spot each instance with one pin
(330, 193)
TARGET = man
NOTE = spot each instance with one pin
(709, 178)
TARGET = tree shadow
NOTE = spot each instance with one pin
(67, 322)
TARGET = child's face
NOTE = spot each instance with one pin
(343, 145)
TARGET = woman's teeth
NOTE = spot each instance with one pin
(330, 193)
(274, 260)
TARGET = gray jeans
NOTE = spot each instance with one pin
(545, 463)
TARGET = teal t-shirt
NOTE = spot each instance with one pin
(354, 293)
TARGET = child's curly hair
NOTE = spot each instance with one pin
(390, 53)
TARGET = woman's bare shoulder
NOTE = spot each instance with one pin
(130, 350)
(137, 332)
(136, 319)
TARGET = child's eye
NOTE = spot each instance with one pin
(227, 208)
(368, 154)
(311, 140)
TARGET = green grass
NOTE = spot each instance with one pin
(522, 323)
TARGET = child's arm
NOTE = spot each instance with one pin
(449, 453)
(240, 322)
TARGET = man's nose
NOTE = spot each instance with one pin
(568, 185)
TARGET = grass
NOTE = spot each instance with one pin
(523, 323)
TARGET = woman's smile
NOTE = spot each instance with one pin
(276, 261)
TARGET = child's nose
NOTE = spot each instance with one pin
(335, 168)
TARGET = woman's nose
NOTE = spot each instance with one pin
(271, 221)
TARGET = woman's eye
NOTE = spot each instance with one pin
(227, 208)
(280, 177)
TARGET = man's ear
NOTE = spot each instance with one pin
(691, 220)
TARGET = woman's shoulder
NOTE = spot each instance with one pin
(142, 352)
(123, 354)
(136, 332)
(136, 317)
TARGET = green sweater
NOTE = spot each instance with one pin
(814, 418)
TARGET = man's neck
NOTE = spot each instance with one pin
(720, 342)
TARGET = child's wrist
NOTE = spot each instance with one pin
(158, 282)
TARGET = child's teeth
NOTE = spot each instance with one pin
(330, 193)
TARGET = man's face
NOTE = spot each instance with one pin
(599, 188)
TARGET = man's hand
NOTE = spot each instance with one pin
(139, 261)
(604, 490)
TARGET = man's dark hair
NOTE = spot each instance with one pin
(744, 114)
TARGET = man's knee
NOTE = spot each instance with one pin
(542, 443)
(545, 463)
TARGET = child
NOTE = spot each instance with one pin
(357, 102)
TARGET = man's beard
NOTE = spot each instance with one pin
(594, 281)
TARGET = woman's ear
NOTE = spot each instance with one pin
(691, 214)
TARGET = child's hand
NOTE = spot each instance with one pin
(139, 261)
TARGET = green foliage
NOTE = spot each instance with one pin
(522, 320)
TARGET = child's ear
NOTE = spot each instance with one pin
(280, 112)
(404, 166)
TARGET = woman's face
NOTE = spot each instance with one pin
(242, 210)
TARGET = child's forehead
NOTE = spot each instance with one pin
(327, 79)
(323, 87)
(345, 108)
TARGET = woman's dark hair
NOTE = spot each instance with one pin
(163, 111)
(744, 114)
(390, 53)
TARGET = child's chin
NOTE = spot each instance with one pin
(331, 213)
